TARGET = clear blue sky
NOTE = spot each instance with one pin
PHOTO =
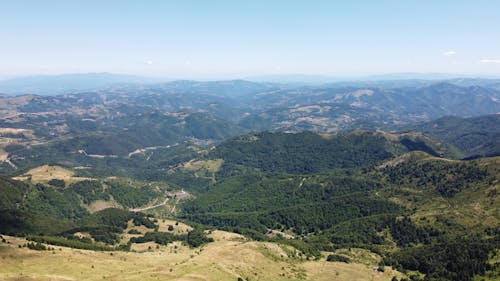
(190, 39)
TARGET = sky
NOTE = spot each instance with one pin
(227, 39)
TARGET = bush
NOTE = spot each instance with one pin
(57, 183)
(37, 246)
(197, 237)
(339, 258)
(162, 238)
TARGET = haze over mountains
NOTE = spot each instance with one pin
(67, 83)
(262, 106)
(59, 84)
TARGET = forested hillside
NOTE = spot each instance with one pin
(406, 204)
(475, 137)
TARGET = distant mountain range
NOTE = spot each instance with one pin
(270, 106)
(69, 83)
(60, 84)
(346, 78)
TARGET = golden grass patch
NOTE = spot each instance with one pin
(211, 166)
(100, 205)
(45, 173)
(179, 227)
(225, 259)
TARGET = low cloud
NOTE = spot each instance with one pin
(489, 61)
(149, 62)
(450, 53)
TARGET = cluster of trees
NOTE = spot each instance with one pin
(339, 258)
(369, 232)
(101, 233)
(54, 202)
(405, 232)
(72, 243)
(107, 225)
(131, 196)
(109, 217)
(193, 238)
(36, 246)
(90, 191)
(449, 258)
(12, 220)
(65, 203)
(162, 238)
(197, 237)
(57, 183)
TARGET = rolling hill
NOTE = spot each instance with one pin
(475, 136)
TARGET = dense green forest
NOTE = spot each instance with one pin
(302, 153)
(308, 153)
(304, 204)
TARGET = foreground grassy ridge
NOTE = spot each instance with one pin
(229, 257)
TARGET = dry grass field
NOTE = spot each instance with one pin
(179, 229)
(211, 166)
(45, 173)
(203, 168)
(231, 256)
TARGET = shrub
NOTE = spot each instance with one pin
(339, 258)
(36, 246)
(57, 183)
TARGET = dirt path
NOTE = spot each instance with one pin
(10, 163)
(4, 157)
(149, 208)
(302, 182)
(179, 195)
(145, 149)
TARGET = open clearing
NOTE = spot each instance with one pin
(229, 257)
(45, 173)
(203, 168)
(16, 131)
(211, 166)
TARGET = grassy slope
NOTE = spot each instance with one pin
(228, 258)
